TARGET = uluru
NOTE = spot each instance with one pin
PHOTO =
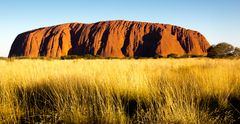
(110, 39)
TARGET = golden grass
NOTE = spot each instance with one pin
(120, 91)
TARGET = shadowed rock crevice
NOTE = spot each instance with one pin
(103, 43)
(75, 36)
(149, 46)
(109, 39)
(45, 41)
(127, 41)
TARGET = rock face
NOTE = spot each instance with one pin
(110, 39)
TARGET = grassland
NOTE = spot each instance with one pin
(196, 90)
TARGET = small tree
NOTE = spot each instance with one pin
(221, 50)
(236, 52)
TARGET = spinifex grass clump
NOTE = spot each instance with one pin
(120, 91)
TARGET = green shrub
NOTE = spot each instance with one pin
(172, 55)
(70, 57)
(158, 56)
(195, 56)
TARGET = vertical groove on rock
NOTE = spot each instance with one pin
(127, 42)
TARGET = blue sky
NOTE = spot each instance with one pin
(218, 20)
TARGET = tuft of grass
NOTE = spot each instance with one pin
(194, 90)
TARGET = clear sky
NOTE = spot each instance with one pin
(218, 20)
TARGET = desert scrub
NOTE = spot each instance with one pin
(195, 90)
